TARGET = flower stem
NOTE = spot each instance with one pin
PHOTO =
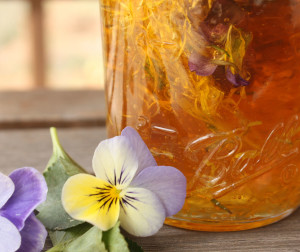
(57, 148)
(218, 204)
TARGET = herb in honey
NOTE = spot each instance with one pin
(212, 86)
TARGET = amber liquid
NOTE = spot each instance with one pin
(237, 146)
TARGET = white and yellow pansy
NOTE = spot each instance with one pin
(129, 186)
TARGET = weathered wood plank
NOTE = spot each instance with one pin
(279, 237)
(33, 148)
(20, 148)
(45, 108)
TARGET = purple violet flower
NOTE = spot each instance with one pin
(214, 28)
(20, 193)
(201, 65)
(236, 79)
(204, 67)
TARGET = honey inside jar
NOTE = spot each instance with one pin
(213, 87)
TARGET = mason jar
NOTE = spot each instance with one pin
(213, 88)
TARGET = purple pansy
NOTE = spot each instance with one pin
(129, 186)
(20, 193)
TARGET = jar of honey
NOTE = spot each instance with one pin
(213, 88)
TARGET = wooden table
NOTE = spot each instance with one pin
(80, 119)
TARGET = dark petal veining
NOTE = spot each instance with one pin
(141, 213)
(114, 157)
(144, 156)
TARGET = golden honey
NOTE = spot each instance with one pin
(213, 87)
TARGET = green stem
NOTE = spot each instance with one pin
(218, 204)
(57, 148)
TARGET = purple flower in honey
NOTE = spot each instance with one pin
(226, 43)
(204, 67)
(221, 15)
(236, 79)
(201, 65)
(20, 194)
(128, 186)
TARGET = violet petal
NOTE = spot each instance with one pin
(201, 65)
(10, 238)
(144, 156)
(30, 191)
(168, 183)
(7, 188)
(33, 235)
(236, 79)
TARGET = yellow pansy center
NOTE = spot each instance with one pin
(115, 192)
(106, 196)
(110, 195)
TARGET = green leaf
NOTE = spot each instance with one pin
(114, 240)
(133, 246)
(69, 234)
(71, 167)
(60, 167)
(89, 241)
(51, 212)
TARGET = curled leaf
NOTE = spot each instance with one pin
(60, 167)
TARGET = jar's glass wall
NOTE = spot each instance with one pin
(213, 88)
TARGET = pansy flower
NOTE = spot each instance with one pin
(129, 187)
(20, 194)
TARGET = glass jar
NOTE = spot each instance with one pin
(213, 87)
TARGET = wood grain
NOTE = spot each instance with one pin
(45, 108)
(32, 147)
